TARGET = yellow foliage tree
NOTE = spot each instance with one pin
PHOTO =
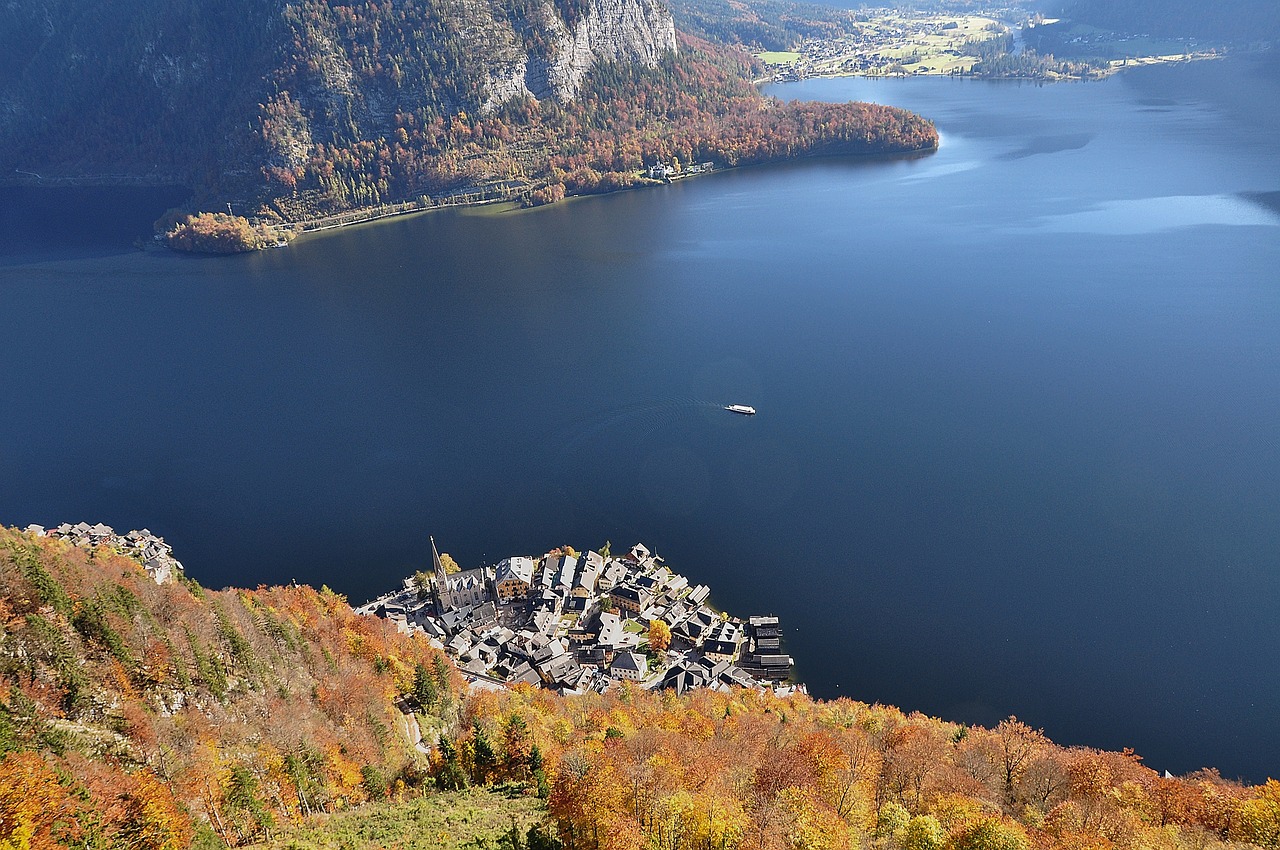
(1260, 817)
(659, 636)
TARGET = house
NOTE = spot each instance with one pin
(588, 577)
(764, 634)
(629, 597)
(694, 630)
(560, 671)
(483, 617)
(512, 578)
(525, 674)
(629, 665)
(611, 634)
(559, 571)
(615, 573)
(722, 643)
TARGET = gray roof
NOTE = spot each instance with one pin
(631, 662)
(520, 568)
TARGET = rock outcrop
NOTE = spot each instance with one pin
(638, 31)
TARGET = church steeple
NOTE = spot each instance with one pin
(443, 600)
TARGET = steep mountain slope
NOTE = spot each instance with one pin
(153, 83)
(140, 715)
(135, 706)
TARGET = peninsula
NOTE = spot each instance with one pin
(576, 622)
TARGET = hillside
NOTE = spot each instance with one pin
(135, 713)
(294, 109)
(143, 715)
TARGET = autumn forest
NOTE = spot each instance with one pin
(153, 716)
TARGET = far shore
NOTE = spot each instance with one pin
(1116, 67)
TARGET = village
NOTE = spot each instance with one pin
(890, 42)
(577, 622)
(152, 552)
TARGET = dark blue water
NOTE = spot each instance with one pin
(1018, 448)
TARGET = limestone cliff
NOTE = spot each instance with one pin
(638, 31)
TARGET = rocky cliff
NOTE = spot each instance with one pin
(628, 31)
(122, 89)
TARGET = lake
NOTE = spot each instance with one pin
(1018, 442)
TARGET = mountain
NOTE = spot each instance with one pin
(140, 711)
(296, 109)
(150, 87)
(1240, 20)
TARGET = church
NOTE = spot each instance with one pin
(459, 590)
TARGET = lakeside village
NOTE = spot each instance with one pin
(574, 623)
(152, 552)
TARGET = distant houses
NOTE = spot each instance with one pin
(155, 556)
(667, 172)
(579, 622)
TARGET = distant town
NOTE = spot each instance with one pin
(577, 622)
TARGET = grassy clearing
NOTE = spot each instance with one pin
(777, 57)
(445, 821)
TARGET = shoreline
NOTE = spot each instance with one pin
(384, 212)
(369, 215)
(476, 197)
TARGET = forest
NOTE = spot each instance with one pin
(137, 715)
(998, 59)
(761, 24)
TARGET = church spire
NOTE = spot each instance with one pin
(435, 559)
(443, 600)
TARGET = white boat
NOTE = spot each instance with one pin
(745, 410)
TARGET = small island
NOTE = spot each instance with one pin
(584, 622)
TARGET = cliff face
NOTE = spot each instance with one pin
(639, 31)
(133, 88)
(353, 77)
